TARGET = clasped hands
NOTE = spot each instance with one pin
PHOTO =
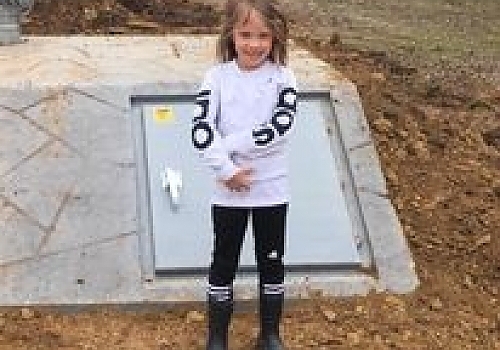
(241, 181)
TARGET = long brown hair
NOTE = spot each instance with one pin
(238, 10)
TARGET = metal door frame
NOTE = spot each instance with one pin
(144, 201)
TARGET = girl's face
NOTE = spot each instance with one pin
(253, 41)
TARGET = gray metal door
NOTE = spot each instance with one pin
(320, 232)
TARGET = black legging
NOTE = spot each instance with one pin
(230, 224)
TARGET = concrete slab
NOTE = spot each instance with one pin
(101, 205)
(20, 237)
(388, 244)
(73, 215)
(73, 276)
(19, 141)
(17, 99)
(41, 185)
(127, 61)
(88, 124)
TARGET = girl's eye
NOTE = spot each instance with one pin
(249, 35)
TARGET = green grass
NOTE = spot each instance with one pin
(457, 31)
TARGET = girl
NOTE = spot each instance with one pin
(244, 113)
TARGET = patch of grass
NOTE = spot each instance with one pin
(434, 32)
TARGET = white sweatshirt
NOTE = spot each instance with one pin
(243, 119)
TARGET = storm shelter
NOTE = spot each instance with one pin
(336, 228)
(104, 200)
(321, 234)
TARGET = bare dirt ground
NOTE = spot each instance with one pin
(428, 75)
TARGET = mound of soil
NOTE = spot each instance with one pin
(50, 17)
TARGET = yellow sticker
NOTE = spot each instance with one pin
(164, 114)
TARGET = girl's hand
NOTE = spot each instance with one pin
(241, 181)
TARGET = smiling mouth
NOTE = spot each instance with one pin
(254, 55)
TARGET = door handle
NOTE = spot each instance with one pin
(172, 184)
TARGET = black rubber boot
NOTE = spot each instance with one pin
(219, 316)
(271, 309)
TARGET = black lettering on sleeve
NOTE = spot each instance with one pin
(202, 135)
(282, 121)
(263, 135)
(288, 99)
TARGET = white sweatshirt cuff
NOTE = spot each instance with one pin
(227, 171)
